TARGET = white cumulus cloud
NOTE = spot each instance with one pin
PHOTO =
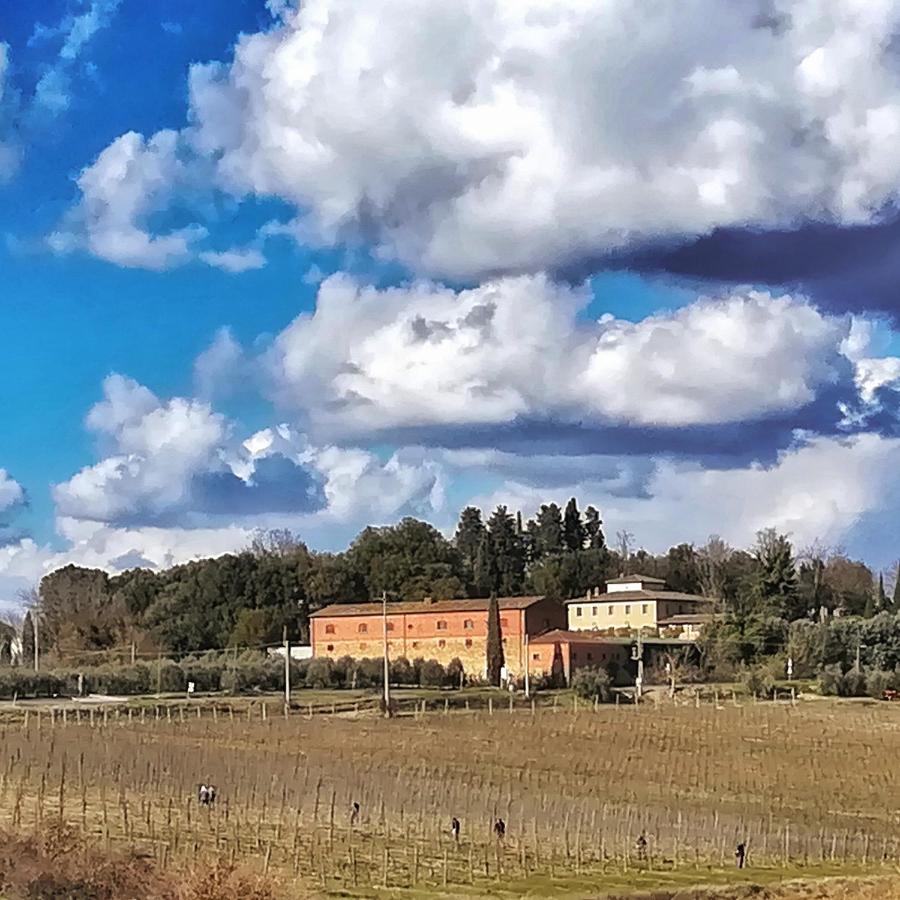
(10, 151)
(11, 492)
(131, 179)
(474, 138)
(821, 488)
(517, 348)
(235, 261)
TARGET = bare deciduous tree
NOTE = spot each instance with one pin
(624, 542)
(712, 559)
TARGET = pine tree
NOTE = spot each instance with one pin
(494, 643)
(573, 530)
(547, 531)
(484, 575)
(507, 552)
(468, 539)
(776, 582)
(28, 640)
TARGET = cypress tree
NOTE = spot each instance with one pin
(593, 528)
(573, 529)
(494, 643)
(869, 609)
(882, 597)
(895, 599)
(27, 640)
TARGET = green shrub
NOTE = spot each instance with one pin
(833, 682)
(455, 675)
(758, 681)
(402, 671)
(432, 674)
(880, 680)
(320, 673)
(593, 683)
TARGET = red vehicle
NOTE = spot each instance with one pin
(890, 695)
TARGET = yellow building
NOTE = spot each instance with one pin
(633, 602)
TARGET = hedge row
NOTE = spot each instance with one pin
(216, 672)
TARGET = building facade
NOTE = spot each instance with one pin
(559, 653)
(441, 630)
(635, 602)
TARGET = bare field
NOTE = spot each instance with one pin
(811, 789)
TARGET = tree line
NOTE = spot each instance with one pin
(252, 598)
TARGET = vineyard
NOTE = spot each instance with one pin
(808, 787)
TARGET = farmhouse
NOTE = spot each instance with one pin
(635, 602)
(441, 630)
(559, 653)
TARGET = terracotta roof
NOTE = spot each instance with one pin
(420, 606)
(629, 579)
(561, 636)
(623, 596)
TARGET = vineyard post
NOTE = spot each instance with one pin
(287, 672)
(387, 667)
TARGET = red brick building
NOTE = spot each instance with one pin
(440, 630)
(559, 653)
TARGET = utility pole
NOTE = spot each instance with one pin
(387, 667)
(527, 682)
(133, 653)
(287, 669)
(638, 654)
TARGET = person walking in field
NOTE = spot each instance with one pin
(354, 813)
(454, 829)
(500, 829)
(211, 795)
(740, 854)
(203, 795)
(641, 845)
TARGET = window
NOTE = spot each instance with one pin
(468, 624)
(610, 610)
(578, 612)
(644, 609)
(441, 625)
(409, 626)
(329, 629)
(590, 655)
(627, 609)
(415, 644)
(603, 655)
(574, 656)
(442, 643)
(390, 626)
(468, 642)
(536, 657)
(362, 628)
(362, 646)
(593, 610)
(330, 647)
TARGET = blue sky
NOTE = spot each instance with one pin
(517, 281)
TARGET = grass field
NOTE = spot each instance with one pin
(810, 788)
